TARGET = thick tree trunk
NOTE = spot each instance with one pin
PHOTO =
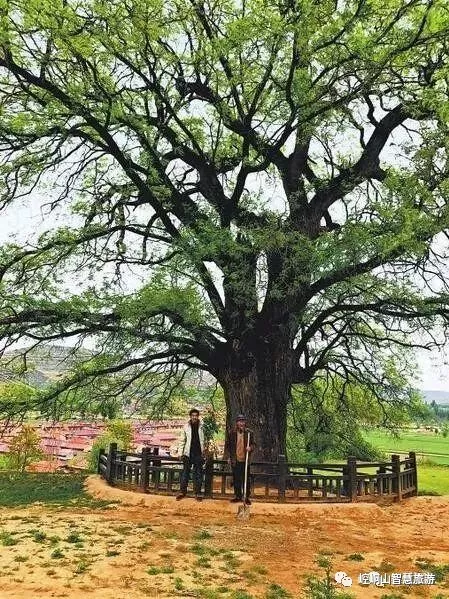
(260, 391)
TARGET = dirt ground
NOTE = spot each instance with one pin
(149, 546)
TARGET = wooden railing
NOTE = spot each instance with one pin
(270, 481)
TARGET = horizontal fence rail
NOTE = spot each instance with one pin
(280, 481)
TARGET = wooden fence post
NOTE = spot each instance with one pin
(144, 463)
(101, 453)
(412, 456)
(156, 475)
(209, 476)
(352, 473)
(110, 466)
(310, 481)
(396, 468)
(381, 481)
(282, 470)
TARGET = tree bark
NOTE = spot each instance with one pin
(260, 389)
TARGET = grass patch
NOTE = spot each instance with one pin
(73, 537)
(179, 585)
(7, 540)
(54, 540)
(230, 560)
(433, 480)
(38, 536)
(433, 463)
(82, 566)
(57, 554)
(144, 546)
(23, 488)
(122, 530)
(218, 592)
(168, 535)
(385, 567)
(21, 558)
(275, 591)
(355, 557)
(203, 562)
(153, 570)
(423, 443)
(439, 570)
(207, 594)
(201, 535)
(198, 549)
(324, 588)
(250, 576)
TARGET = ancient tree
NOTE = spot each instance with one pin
(257, 189)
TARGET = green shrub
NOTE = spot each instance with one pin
(117, 431)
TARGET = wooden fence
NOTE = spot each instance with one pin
(281, 481)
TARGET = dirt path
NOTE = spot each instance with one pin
(151, 546)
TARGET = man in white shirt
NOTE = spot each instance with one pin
(191, 452)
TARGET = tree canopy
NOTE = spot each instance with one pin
(257, 189)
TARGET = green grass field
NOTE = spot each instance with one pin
(432, 453)
(426, 445)
(433, 480)
(21, 489)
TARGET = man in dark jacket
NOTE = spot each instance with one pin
(239, 441)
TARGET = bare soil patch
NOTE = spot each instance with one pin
(153, 546)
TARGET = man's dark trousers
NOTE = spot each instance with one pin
(197, 463)
(238, 473)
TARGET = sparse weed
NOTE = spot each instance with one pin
(275, 591)
(202, 535)
(355, 557)
(179, 585)
(39, 536)
(6, 539)
(324, 588)
(203, 562)
(122, 530)
(73, 537)
(82, 566)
